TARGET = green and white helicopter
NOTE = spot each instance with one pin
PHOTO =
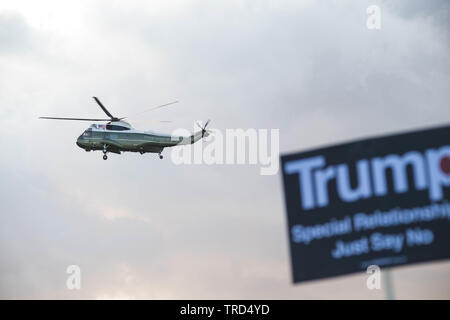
(119, 136)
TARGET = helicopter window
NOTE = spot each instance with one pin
(88, 132)
(114, 127)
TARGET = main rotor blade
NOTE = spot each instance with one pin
(153, 121)
(103, 108)
(79, 119)
(163, 105)
(151, 109)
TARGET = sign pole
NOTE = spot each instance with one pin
(388, 286)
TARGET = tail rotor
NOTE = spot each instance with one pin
(205, 132)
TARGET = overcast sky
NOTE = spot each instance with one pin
(140, 227)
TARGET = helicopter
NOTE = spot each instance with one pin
(117, 135)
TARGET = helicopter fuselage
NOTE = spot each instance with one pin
(117, 137)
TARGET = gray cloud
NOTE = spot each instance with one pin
(14, 34)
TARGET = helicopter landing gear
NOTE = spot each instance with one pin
(105, 157)
(161, 156)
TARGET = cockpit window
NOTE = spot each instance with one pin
(88, 133)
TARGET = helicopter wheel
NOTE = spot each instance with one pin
(161, 156)
(105, 157)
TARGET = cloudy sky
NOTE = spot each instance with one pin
(139, 227)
